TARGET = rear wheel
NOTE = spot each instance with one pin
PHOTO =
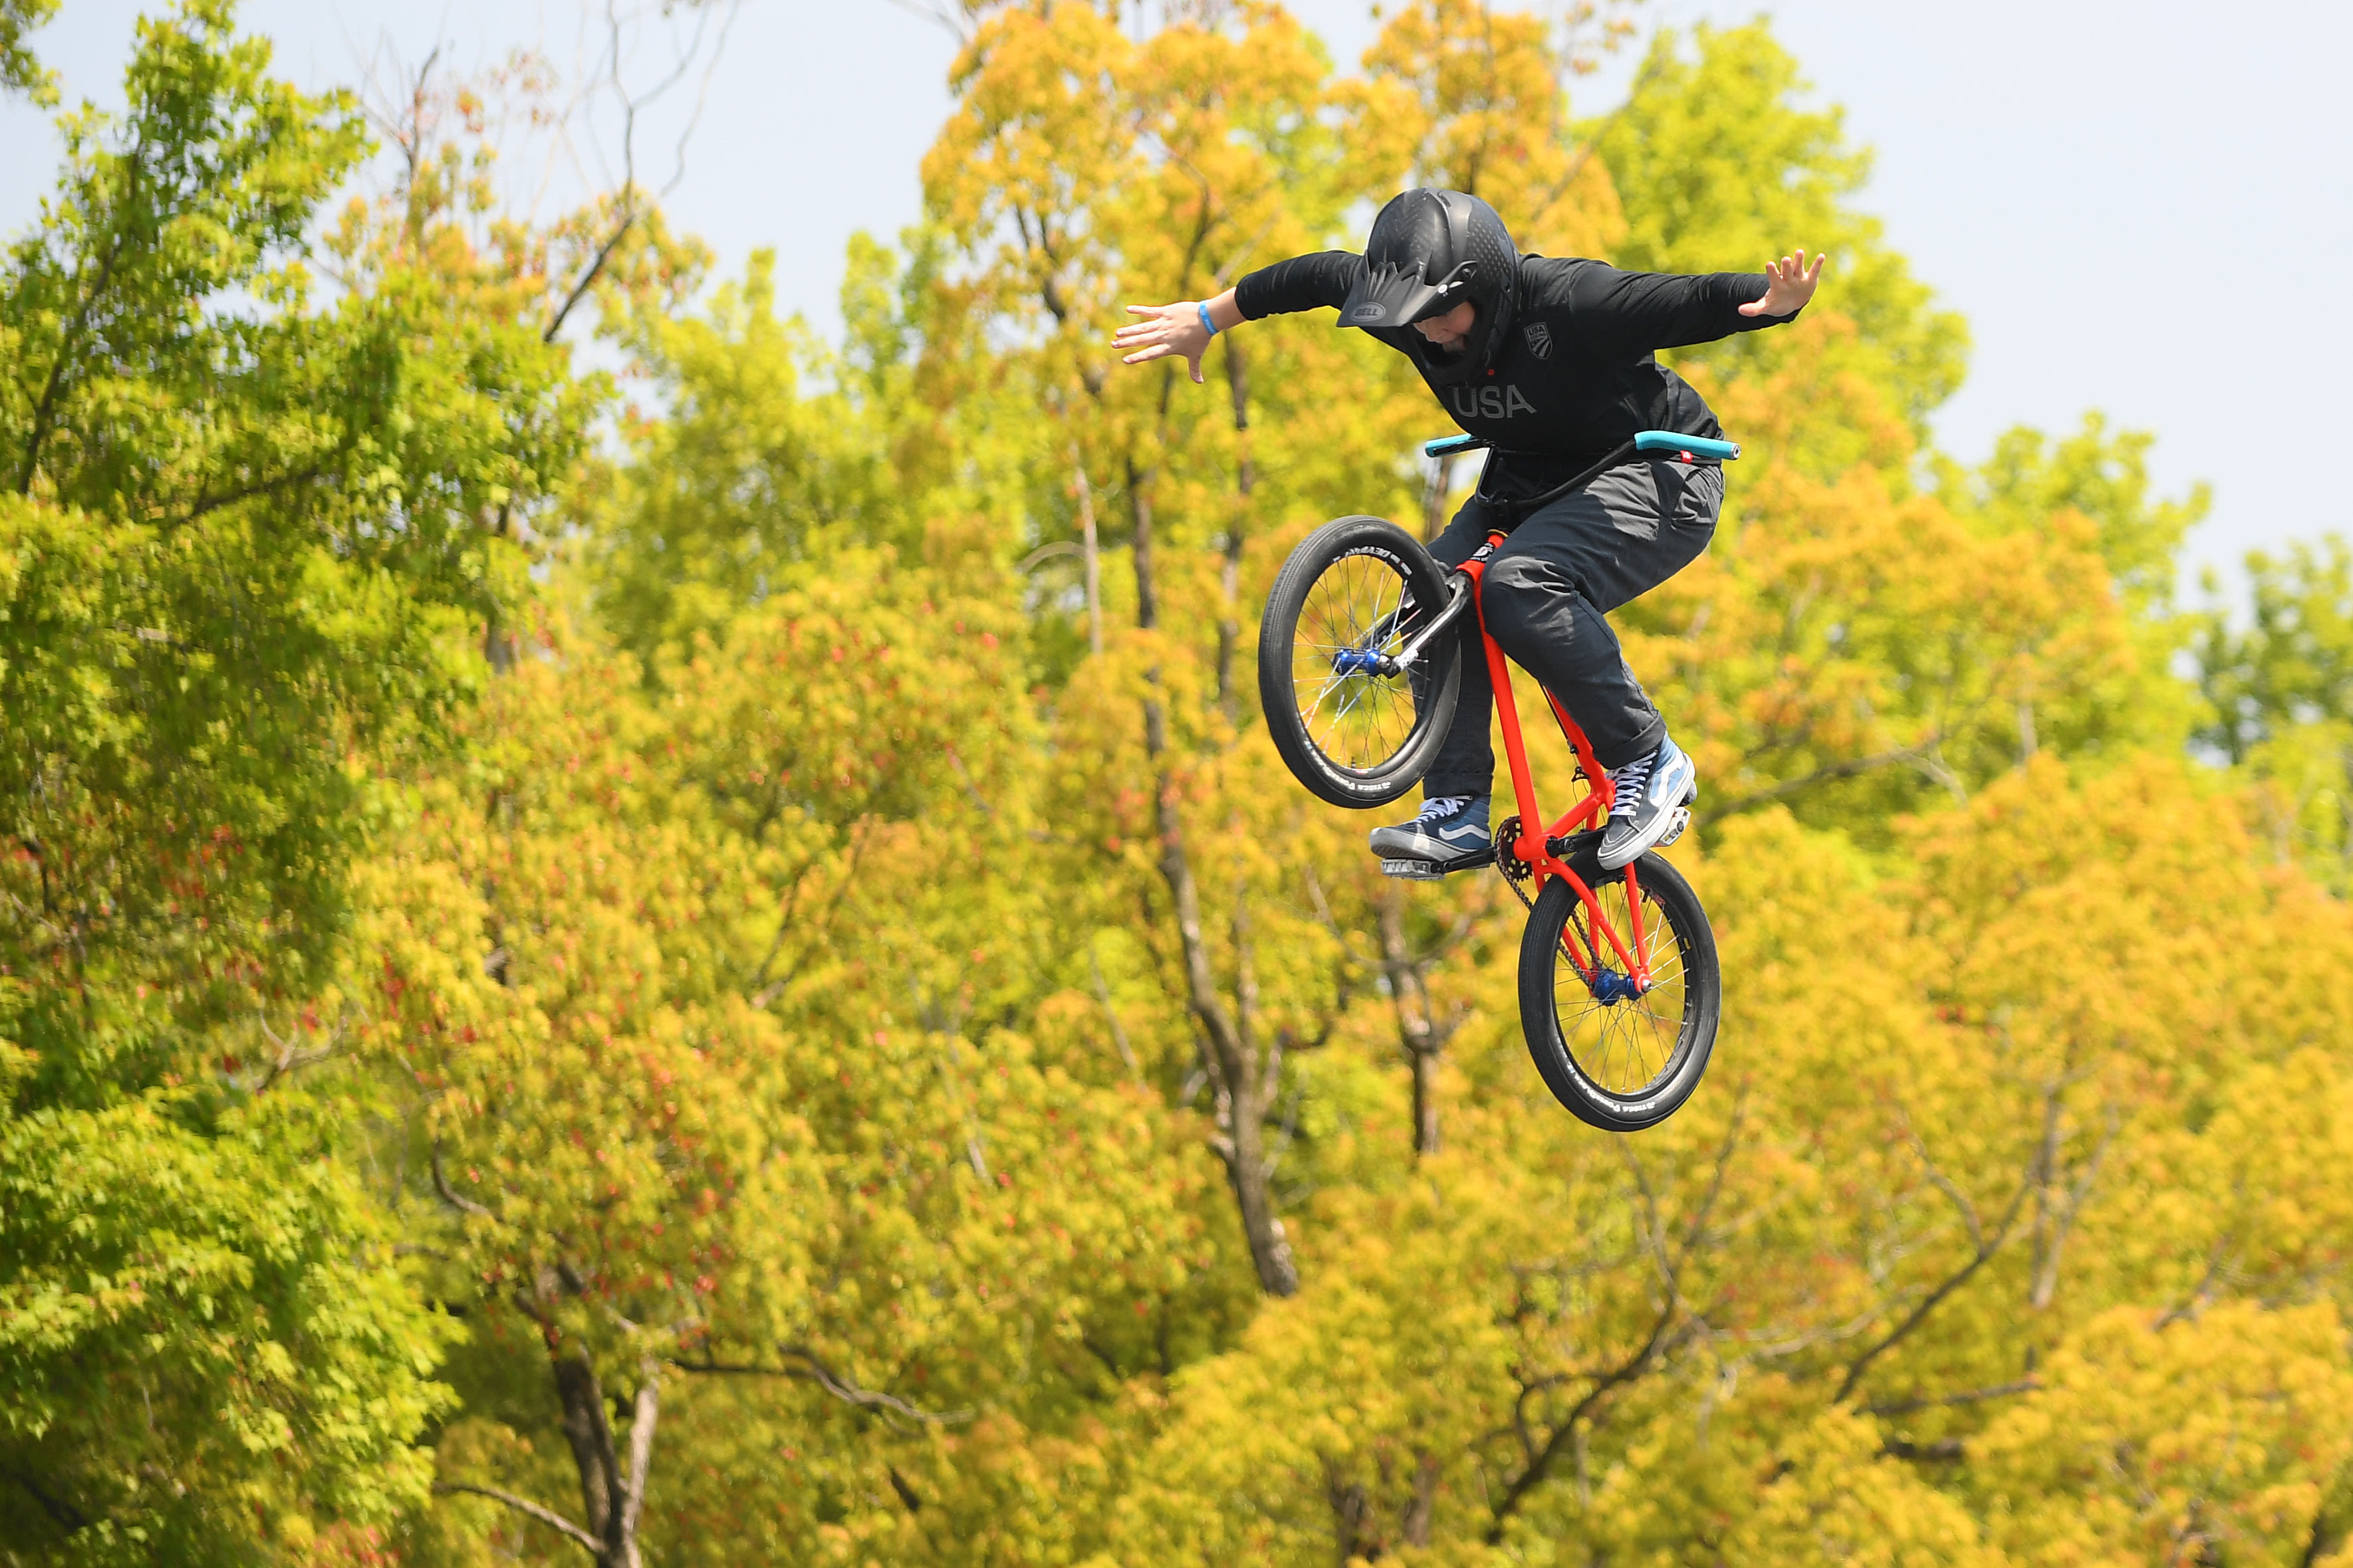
(1355, 592)
(1621, 1061)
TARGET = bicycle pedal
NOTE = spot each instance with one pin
(1413, 870)
(1675, 831)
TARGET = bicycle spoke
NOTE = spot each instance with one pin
(1356, 717)
(1627, 1046)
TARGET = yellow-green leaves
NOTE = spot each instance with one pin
(828, 985)
(242, 535)
(1720, 166)
(20, 71)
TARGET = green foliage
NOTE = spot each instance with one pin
(2280, 692)
(740, 482)
(2293, 663)
(1718, 166)
(206, 1346)
(243, 535)
(2100, 477)
(20, 71)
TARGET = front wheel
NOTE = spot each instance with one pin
(1351, 596)
(1623, 1062)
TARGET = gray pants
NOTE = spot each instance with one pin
(1546, 591)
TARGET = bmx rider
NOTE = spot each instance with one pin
(1551, 361)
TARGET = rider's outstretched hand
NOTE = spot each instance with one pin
(1792, 285)
(1166, 330)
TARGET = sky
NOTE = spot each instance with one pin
(2139, 204)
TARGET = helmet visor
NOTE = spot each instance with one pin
(1395, 297)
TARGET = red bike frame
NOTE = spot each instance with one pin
(1534, 845)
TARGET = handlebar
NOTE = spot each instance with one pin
(1691, 446)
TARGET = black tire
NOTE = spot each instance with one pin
(1355, 739)
(1628, 1064)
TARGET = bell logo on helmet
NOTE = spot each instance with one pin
(1539, 335)
(1370, 310)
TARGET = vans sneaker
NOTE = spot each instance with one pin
(1451, 828)
(1651, 806)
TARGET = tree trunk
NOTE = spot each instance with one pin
(1094, 563)
(1231, 1054)
(1230, 569)
(612, 1494)
(591, 1436)
(1417, 1032)
(1424, 1508)
(1354, 1529)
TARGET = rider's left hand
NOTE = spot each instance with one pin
(1166, 330)
(1792, 285)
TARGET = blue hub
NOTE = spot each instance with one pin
(1610, 987)
(1357, 661)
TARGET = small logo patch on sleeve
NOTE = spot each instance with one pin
(1539, 335)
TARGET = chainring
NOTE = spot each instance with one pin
(1518, 875)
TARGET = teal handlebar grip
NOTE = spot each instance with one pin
(1697, 446)
(1447, 446)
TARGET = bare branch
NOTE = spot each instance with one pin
(702, 92)
(595, 265)
(1984, 1250)
(449, 1196)
(62, 1513)
(644, 1410)
(945, 12)
(1563, 1434)
(1943, 1401)
(1944, 1183)
(1723, 1164)
(2216, 1258)
(772, 989)
(2319, 1543)
(1103, 995)
(630, 205)
(814, 1370)
(1946, 1448)
(546, 1516)
(2055, 1220)
(289, 1058)
(1920, 752)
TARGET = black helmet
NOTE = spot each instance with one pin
(1429, 251)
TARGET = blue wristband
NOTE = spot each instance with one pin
(1207, 325)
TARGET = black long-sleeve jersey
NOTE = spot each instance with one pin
(1576, 375)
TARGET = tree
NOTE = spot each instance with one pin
(20, 71)
(2279, 690)
(241, 525)
(729, 1112)
(1719, 163)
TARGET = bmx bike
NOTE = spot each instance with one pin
(1359, 670)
